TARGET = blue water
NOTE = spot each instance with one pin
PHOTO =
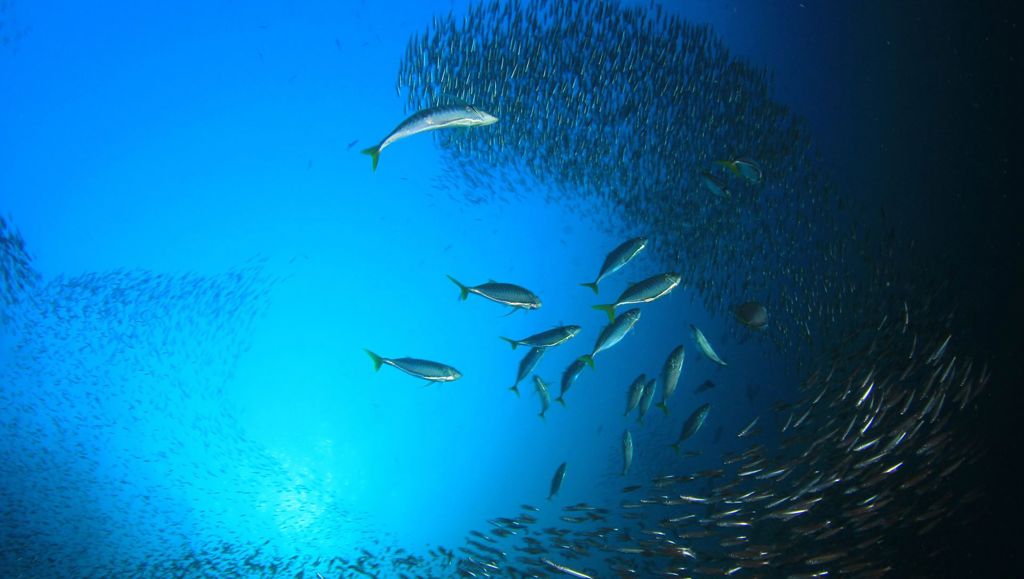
(215, 147)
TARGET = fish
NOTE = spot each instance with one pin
(643, 292)
(460, 115)
(503, 293)
(634, 393)
(627, 451)
(432, 371)
(618, 258)
(542, 391)
(646, 399)
(567, 570)
(547, 338)
(556, 481)
(670, 373)
(692, 424)
(715, 185)
(705, 385)
(751, 314)
(569, 377)
(745, 168)
(526, 365)
(613, 333)
(705, 347)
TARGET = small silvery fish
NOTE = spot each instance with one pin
(643, 292)
(613, 333)
(692, 425)
(526, 365)
(556, 481)
(670, 373)
(705, 347)
(568, 377)
(618, 257)
(462, 115)
(503, 293)
(433, 371)
(546, 339)
(542, 391)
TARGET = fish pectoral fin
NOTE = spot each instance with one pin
(514, 309)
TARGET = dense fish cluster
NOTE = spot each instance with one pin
(644, 121)
(113, 416)
(15, 269)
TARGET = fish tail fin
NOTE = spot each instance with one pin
(675, 447)
(730, 165)
(663, 406)
(464, 291)
(592, 286)
(541, 414)
(588, 359)
(374, 153)
(515, 388)
(640, 420)
(510, 341)
(608, 309)
(377, 360)
(560, 401)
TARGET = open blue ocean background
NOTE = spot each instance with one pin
(187, 180)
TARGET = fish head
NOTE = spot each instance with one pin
(673, 277)
(483, 117)
(573, 330)
(454, 374)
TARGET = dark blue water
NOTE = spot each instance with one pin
(184, 377)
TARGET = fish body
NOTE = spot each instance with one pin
(618, 258)
(705, 346)
(748, 169)
(643, 292)
(556, 481)
(542, 391)
(547, 338)
(715, 185)
(670, 373)
(503, 293)
(627, 451)
(705, 385)
(568, 377)
(647, 398)
(692, 424)
(526, 365)
(613, 333)
(752, 315)
(462, 115)
(635, 392)
(433, 371)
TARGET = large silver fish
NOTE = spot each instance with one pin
(463, 115)
(635, 392)
(568, 377)
(556, 481)
(618, 257)
(746, 168)
(643, 292)
(613, 333)
(752, 315)
(670, 373)
(433, 371)
(547, 338)
(526, 365)
(705, 346)
(503, 293)
(542, 391)
(646, 399)
(627, 451)
(692, 425)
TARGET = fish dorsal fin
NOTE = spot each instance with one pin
(461, 101)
